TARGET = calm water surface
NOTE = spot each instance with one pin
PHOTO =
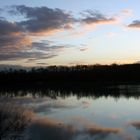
(82, 118)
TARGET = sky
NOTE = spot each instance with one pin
(69, 32)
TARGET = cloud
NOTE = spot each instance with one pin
(11, 35)
(48, 106)
(48, 47)
(44, 20)
(127, 11)
(84, 49)
(46, 128)
(43, 104)
(134, 24)
(17, 39)
(50, 129)
(135, 124)
(9, 28)
(86, 104)
(41, 20)
(33, 51)
(129, 137)
(16, 42)
(45, 64)
(94, 18)
(94, 130)
(25, 55)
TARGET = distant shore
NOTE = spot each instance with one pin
(80, 75)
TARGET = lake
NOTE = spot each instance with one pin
(103, 113)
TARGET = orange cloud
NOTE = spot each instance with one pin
(93, 18)
(45, 32)
(127, 12)
(15, 42)
(135, 24)
(94, 129)
(135, 124)
(91, 21)
(98, 129)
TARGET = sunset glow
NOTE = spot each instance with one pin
(59, 32)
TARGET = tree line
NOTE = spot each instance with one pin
(69, 74)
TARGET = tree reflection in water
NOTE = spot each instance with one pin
(14, 120)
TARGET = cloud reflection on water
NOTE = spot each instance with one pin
(71, 118)
(50, 129)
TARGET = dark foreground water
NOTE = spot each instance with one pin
(109, 114)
